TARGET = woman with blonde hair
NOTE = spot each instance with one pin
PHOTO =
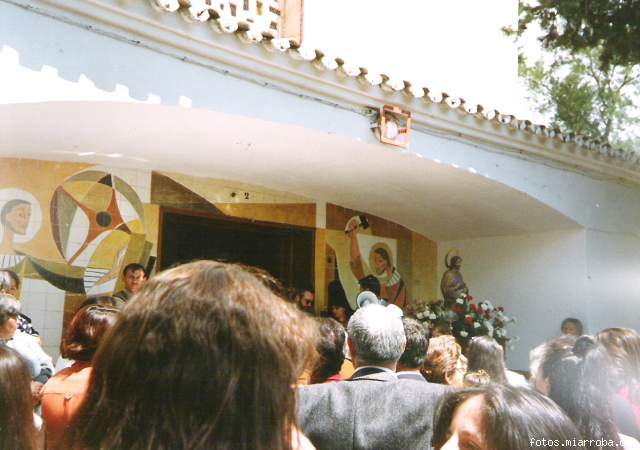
(445, 363)
(204, 357)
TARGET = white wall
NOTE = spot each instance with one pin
(613, 271)
(539, 279)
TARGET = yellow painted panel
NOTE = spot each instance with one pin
(425, 273)
(152, 225)
(320, 264)
(40, 179)
(79, 189)
(300, 214)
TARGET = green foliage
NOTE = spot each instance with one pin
(610, 26)
(579, 95)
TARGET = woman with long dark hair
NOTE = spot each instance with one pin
(330, 347)
(576, 379)
(501, 417)
(484, 353)
(17, 428)
(204, 357)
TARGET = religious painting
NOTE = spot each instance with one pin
(20, 220)
(358, 252)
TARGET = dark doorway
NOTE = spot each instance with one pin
(284, 251)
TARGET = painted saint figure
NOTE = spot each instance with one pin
(452, 284)
(392, 286)
(15, 216)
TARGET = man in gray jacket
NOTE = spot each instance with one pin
(371, 410)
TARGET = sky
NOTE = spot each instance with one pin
(453, 46)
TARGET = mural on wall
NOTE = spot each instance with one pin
(97, 224)
(67, 229)
(20, 220)
(380, 261)
(360, 248)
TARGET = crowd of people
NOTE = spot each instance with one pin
(210, 355)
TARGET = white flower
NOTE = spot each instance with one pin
(464, 333)
(489, 327)
(489, 305)
(432, 316)
(460, 301)
(420, 316)
(499, 332)
(476, 325)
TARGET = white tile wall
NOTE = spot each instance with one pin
(321, 214)
(44, 304)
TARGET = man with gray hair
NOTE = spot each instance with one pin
(372, 409)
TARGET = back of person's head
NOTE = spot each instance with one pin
(86, 330)
(508, 418)
(547, 352)
(377, 335)
(9, 307)
(17, 430)
(370, 283)
(270, 282)
(330, 349)
(204, 357)
(623, 347)
(486, 354)
(416, 350)
(441, 329)
(476, 378)
(103, 300)
(443, 359)
(577, 381)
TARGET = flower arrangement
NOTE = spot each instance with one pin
(465, 318)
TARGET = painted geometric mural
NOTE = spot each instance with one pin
(20, 217)
(68, 229)
(97, 221)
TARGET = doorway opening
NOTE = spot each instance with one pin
(286, 252)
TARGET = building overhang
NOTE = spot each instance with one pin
(437, 200)
(284, 65)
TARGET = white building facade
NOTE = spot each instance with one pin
(148, 105)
